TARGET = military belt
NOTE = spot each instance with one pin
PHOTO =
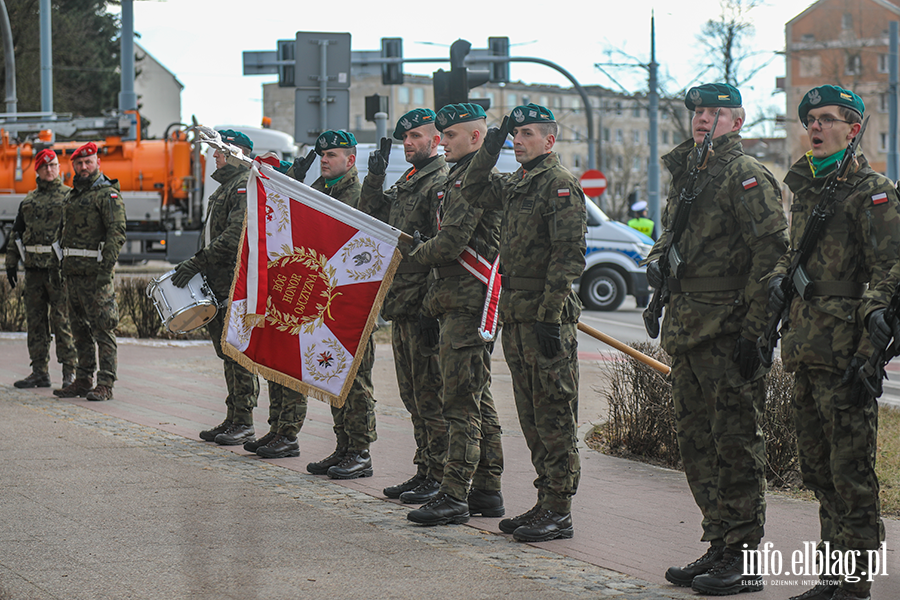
(844, 289)
(80, 252)
(411, 267)
(533, 284)
(449, 270)
(708, 284)
(39, 249)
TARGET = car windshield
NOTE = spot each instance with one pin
(595, 216)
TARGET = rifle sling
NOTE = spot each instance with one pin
(708, 284)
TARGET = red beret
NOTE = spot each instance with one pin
(43, 157)
(88, 149)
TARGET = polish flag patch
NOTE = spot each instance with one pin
(242, 190)
(440, 195)
(750, 183)
(458, 183)
(562, 192)
(879, 198)
(113, 195)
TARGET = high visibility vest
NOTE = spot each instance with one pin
(642, 224)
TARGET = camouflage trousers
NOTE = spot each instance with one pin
(837, 443)
(546, 392)
(46, 310)
(354, 422)
(474, 448)
(287, 410)
(93, 315)
(717, 420)
(419, 379)
(243, 386)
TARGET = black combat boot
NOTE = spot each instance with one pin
(727, 577)
(510, 525)
(257, 444)
(844, 594)
(424, 492)
(209, 435)
(546, 525)
(321, 467)
(684, 576)
(442, 510)
(236, 435)
(412, 483)
(486, 503)
(281, 446)
(355, 464)
(36, 380)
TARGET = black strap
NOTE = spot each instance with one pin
(533, 284)
(708, 284)
(449, 270)
(411, 267)
(844, 289)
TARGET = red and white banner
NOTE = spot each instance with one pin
(310, 281)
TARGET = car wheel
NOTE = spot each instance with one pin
(602, 289)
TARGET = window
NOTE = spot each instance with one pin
(853, 64)
(543, 101)
(884, 142)
(403, 95)
(490, 96)
(577, 161)
(511, 101)
(884, 63)
(557, 101)
(847, 21)
(636, 163)
(619, 163)
(810, 66)
(665, 136)
(474, 94)
(884, 102)
(620, 136)
(618, 106)
(636, 136)
(359, 122)
(620, 187)
(808, 37)
(419, 96)
(636, 111)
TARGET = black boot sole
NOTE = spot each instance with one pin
(456, 520)
(561, 534)
(679, 581)
(729, 591)
(287, 454)
(498, 511)
(355, 475)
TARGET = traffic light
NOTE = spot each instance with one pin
(392, 74)
(453, 87)
(499, 46)
(285, 72)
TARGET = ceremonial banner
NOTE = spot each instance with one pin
(311, 278)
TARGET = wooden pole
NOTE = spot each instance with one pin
(610, 341)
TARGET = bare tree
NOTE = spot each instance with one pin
(726, 42)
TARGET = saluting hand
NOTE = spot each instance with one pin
(378, 160)
(496, 136)
(301, 166)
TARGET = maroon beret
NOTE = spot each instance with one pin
(88, 149)
(43, 157)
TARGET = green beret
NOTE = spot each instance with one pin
(830, 95)
(712, 94)
(453, 114)
(230, 136)
(414, 118)
(529, 113)
(334, 139)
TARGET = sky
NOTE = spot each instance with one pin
(202, 41)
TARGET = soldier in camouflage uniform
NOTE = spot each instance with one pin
(216, 260)
(715, 313)
(542, 250)
(36, 229)
(410, 205)
(354, 422)
(836, 420)
(93, 232)
(457, 298)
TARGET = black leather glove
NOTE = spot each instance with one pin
(184, 272)
(418, 241)
(301, 166)
(746, 356)
(378, 160)
(495, 137)
(654, 275)
(776, 295)
(430, 330)
(859, 395)
(880, 331)
(548, 338)
(12, 276)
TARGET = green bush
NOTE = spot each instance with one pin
(642, 416)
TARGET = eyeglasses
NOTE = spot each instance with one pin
(824, 122)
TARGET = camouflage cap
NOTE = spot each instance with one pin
(529, 113)
(414, 118)
(712, 94)
(453, 114)
(334, 138)
(830, 95)
(230, 136)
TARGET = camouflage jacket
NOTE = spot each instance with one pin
(347, 189)
(860, 244)
(409, 205)
(541, 235)
(737, 228)
(94, 213)
(225, 214)
(462, 224)
(41, 214)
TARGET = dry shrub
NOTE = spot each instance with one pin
(137, 308)
(642, 417)
(12, 306)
